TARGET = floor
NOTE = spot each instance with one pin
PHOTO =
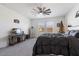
(22, 49)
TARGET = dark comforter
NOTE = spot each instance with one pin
(58, 45)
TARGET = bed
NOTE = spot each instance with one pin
(57, 44)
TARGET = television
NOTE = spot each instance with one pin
(16, 31)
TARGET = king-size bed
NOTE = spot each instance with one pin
(53, 44)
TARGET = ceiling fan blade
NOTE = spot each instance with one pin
(47, 10)
(43, 8)
(35, 10)
(45, 13)
(38, 11)
(39, 8)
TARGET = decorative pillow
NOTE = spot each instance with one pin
(72, 33)
(77, 35)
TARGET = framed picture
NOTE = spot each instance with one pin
(58, 24)
(77, 14)
(16, 21)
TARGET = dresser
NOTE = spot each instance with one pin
(16, 37)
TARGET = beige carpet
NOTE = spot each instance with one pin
(22, 49)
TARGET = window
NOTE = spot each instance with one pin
(45, 26)
(49, 26)
(41, 27)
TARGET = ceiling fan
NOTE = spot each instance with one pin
(42, 10)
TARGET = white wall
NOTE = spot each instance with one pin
(6, 24)
(71, 20)
(55, 20)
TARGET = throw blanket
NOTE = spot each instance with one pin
(56, 44)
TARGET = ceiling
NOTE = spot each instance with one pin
(58, 9)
